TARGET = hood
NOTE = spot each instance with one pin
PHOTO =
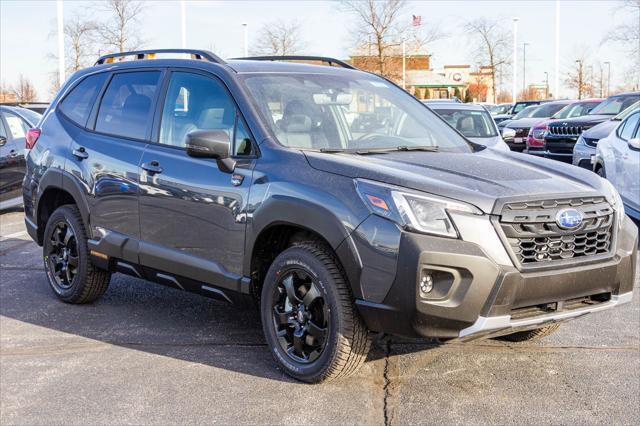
(524, 123)
(479, 178)
(601, 130)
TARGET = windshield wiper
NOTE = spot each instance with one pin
(395, 149)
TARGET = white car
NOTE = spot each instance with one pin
(618, 160)
(473, 121)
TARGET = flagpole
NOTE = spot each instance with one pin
(514, 87)
(183, 20)
(404, 64)
(556, 77)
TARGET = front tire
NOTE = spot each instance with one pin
(71, 275)
(308, 317)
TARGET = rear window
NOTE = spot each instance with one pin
(77, 104)
(127, 104)
(616, 105)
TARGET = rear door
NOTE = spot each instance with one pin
(192, 214)
(631, 191)
(12, 164)
(106, 154)
(624, 158)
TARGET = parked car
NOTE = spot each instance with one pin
(39, 107)
(618, 160)
(562, 135)
(500, 109)
(14, 124)
(474, 122)
(242, 180)
(521, 126)
(585, 147)
(441, 101)
(524, 113)
(515, 109)
(535, 138)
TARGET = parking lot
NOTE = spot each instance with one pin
(149, 354)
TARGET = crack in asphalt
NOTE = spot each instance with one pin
(386, 384)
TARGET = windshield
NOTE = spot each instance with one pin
(472, 124)
(526, 113)
(624, 114)
(616, 105)
(500, 109)
(547, 110)
(347, 112)
(575, 110)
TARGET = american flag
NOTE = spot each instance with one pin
(417, 20)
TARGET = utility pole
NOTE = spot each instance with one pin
(404, 64)
(61, 70)
(246, 38)
(514, 95)
(601, 82)
(608, 64)
(524, 66)
(556, 85)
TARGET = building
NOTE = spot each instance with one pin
(459, 81)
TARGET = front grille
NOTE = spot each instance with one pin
(560, 130)
(591, 141)
(522, 132)
(535, 238)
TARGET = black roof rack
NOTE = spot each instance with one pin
(330, 61)
(141, 54)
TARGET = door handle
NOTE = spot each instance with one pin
(152, 167)
(80, 153)
(13, 153)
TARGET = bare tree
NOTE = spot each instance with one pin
(24, 90)
(627, 34)
(80, 42)
(120, 31)
(279, 38)
(379, 28)
(491, 45)
(578, 77)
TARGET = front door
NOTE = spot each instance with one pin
(192, 215)
(12, 164)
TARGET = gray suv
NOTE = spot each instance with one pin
(330, 197)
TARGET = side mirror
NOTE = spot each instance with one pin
(634, 144)
(3, 141)
(211, 144)
(508, 133)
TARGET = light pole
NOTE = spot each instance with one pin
(580, 78)
(183, 21)
(514, 95)
(608, 64)
(546, 85)
(61, 70)
(246, 38)
(524, 66)
(556, 83)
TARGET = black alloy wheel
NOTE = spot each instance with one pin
(62, 256)
(300, 316)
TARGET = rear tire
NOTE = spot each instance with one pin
(530, 335)
(71, 275)
(309, 320)
(600, 172)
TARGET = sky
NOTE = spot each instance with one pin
(27, 31)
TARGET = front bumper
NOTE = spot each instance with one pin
(474, 296)
(582, 154)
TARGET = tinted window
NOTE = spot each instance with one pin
(613, 106)
(77, 104)
(195, 102)
(242, 140)
(547, 110)
(3, 132)
(17, 126)
(630, 124)
(127, 104)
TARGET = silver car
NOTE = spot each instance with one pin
(473, 121)
(585, 148)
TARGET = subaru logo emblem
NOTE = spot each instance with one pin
(569, 219)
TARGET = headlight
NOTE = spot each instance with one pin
(616, 201)
(424, 213)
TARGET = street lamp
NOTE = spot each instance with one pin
(515, 60)
(608, 64)
(580, 78)
(246, 38)
(524, 66)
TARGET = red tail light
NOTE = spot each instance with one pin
(536, 136)
(31, 138)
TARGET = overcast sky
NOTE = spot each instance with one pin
(28, 39)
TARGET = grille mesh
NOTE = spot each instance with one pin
(535, 238)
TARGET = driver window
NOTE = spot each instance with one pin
(195, 102)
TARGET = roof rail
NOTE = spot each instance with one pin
(142, 54)
(330, 61)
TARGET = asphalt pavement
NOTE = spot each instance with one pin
(147, 354)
